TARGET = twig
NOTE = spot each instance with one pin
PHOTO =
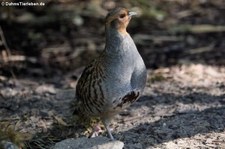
(4, 42)
(8, 52)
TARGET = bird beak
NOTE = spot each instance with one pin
(131, 13)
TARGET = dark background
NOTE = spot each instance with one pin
(64, 35)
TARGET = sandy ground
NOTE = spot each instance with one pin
(181, 107)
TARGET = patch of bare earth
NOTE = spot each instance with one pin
(182, 107)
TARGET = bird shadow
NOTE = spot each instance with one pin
(176, 117)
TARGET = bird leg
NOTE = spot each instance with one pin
(106, 124)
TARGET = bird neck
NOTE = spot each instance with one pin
(115, 39)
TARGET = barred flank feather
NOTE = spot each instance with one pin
(116, 78)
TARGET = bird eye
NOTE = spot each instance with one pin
(122, 16)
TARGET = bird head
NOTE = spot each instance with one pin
(119, 19)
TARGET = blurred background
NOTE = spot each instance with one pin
(43, 50)
(64, 35)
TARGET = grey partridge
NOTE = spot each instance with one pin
(116, 78)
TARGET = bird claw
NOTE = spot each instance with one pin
(94, 134)
(96, 130)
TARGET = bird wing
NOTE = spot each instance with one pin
(89, 90)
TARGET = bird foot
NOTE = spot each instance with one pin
(96, 131)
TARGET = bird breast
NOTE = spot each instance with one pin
(120, 68)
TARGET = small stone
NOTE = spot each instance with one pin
(89, 143)
(45, 89)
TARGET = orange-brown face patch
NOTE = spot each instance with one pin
(119, 19)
